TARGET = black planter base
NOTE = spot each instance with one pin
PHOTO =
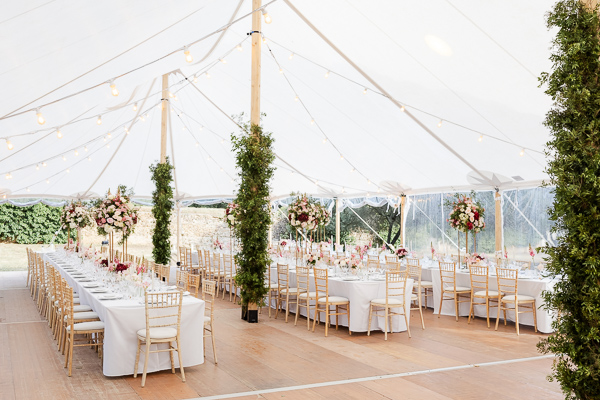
(250, 314)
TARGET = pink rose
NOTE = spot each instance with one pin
(110, 220)
(103, 220)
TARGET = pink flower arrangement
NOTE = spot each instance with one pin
(116, 214)
(401, 253)
(217, 245)
(308, 214)
(75, 216)
(467, 215)
(232, 213)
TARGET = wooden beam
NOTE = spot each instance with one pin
(164, 116)
(402, 222)
(337, 224)
(255, 74)
(498, 220)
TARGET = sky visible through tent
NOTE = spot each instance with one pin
(340, 82)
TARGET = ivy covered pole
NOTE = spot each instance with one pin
(574, 168)
(162, 198)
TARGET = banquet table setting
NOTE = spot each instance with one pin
(120, 305)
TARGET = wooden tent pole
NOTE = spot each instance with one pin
(164, 116)
(402, 220)
(255, 73)
(498, 219)
(337, 224)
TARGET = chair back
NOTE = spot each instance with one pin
(181, 278)
(479, 278)
(164, 272)
(206, 259)
(448, 275)
(216, 263)
(413, 270)
(188, 257)
(67, 302)
(209, 292)
(321, 281)
(193, 282)
(182, 257)
(228, 265)
(507, 280)
(302, 279)
(395, 287)
(372, 261)
(163, 310)
(283, 276)
(103, 250)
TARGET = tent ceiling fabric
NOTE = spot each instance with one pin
(471, 64)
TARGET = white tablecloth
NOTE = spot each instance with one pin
(530, 287)
(123, 318)
(360, 294)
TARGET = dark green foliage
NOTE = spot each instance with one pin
(575, 170)
(254, 160)
(162, 198)
(31, 225)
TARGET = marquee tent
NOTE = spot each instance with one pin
(363, 98)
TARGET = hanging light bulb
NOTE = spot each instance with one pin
(327, 74)
(99, 120)
(264, 39)
(312, 121)
(8, 176)
(44, 164)
(221, 169)
(113, 88)
(171, 95)
(324, 140)
(267, 17)
(47, 180)
(9, 145)
(28, 189)
(64, 158)
(439, 125)
(89, 158)
(197, 144)
(291, 56)
(365, 91)
(135, 107)
(108, 146)
(480, 138)
(201, 127)
(85, 149)
(239, 47)
(281, 70)
(68, 170)
(40, 118)
(223, 61)
(522, 153)
(352, 170)
(37, 167)
(402, 109)
(207, 75)
(59, 134)
(368, 182)
(109, 135)
(195, 79)
(296, 98)
(341, 157)
(76, 152)
(317, 183)
(126, 131)
(104, 138)
(222, 141)
(368, 194)
(188, 55)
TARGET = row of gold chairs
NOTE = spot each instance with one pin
(209, 267)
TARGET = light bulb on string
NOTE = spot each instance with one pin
(59, 134)
(317, 183)
(439, 124)
(8, 176)
(223, 61)
(312, 121)
(296, 98)
(44, 164)
(64, 158)
(47, 180)
(85, 149)
(108, 145)
(291, 56)
(402, 108)
(327, 74)
(89, 158)
(281, 70)
(126, 131)
(480, 138)
(239, 47)
(171, 95)
(324, 140)
(522, 153)
(76, 152)
(99, 120)
(68, 170)
(201, 127)
(9, 145)
(197, 144)
(352, 170)
(195, 79)
(368, 194)
(188, 55)
(365, 91)
(135, 107)
(109, 135)
(222, 141)
(264, 39)
(37, 167)
(40, 118)
(267, 17)
(368, 181)
(113, 88)
(207, 75)
(27, 189)
(341, 157)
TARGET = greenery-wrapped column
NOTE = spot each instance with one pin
(162, 197)
(254, 160)
(574, 168)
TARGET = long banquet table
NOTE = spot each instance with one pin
(530, 286)
(360, 293)
(124, 317)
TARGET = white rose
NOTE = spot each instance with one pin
(471, 219)
(72, 225)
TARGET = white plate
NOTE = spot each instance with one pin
(378, 278)
(91, 285)
(99, 290)
(83, 279)
(111, 296)
(350, 278)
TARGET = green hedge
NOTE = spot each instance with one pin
(30, 225)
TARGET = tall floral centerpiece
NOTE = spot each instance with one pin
(116, 214)
(308, 215)
(467, 216)
(75, 216)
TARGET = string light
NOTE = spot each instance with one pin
(264, 39)
(223, 61)
(327, 74)
(368, 181)
(99, 120)
(40, 118)
(222, 141)
(522, 153)
(85, 149)
(188, 55)
(239, 47)
(291, 56)
(352, 170)
(135, 107)
(365, 91)
(113, 88)
(197, 144)
(76, 152)
(28, 189)
(89, 158)
(68, 170)
(267, 17)
(195, 79)
(281, 70)
(317, 183)
(8, 176)
(171, 95)
(47, 180)
(126, 131)
(341, 157)
(9, 145)
(59, 134)
(104, 138)
(402, 109)
(296, 98)
(207, 75)
(44, 164)
(439, 125)
(109, 135)
(201, 127)
(37, 167)
(64, 158)
(480, 138)
(312, 121)
(108, 145)
(324, 140)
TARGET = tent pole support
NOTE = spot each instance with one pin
(498, 220)
(163, 120)
(255, 72)
(402, 219)
(337, 223)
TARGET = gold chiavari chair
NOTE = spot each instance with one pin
(182, 258)
(395, 291)
(118, 255)
(201, 264)
(272, 293)
(522, 265)
(29, 267)
(413, 269)
(209, 289)
(372, 261)
(81, 313)
(217, 273)
(91, 329)
(284, 291)
(392, 263)
(325, 301)
(163, 325)
(480, 290)
(508, 287)
(229, 276)
(181, 279)
(305, 296)
(450, 291)
(164, 272)
(193, 283)
(103, 250)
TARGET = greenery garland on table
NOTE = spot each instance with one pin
(254, 160)
(574, 168)
(162, 198)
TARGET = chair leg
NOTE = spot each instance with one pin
(370, 315)
(407, 326)
(327, 317)
(456, 305)
(498, 314)
(308, 313)
(147, 344)
(212, 337)
(348, 311)
(534, 317)
(471, 310)
(386, 323)
(137, 358)
(517, 316)
(421, 311)
(441, 302)
(180, 360)
(171, 357)
(487, 311)
(287, 307)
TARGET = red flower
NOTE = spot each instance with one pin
(469, 225)
(303, 217)
(476, 215)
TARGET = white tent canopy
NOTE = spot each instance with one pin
(354, 93)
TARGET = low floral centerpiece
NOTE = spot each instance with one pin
(401, 253)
